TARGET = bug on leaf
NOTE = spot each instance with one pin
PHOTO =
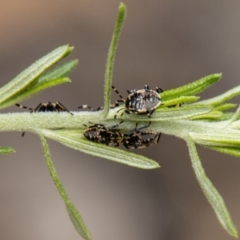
(142, 101)
(46, 107)
(137, 138)
(99, 133)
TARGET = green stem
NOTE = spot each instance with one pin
(111, 58)
(33, 122)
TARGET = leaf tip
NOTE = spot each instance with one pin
(6, 150)
(70, 48)
(234, 232)
(122, 6)
(218, 75)
(154, 165)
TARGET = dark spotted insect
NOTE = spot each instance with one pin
(137, 138)
(100, 134)
(142, 101)
(46, 107)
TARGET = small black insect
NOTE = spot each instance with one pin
(142, 101)
(46, 107)
(140, 139)
(100, 134)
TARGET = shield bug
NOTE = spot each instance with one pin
(46, 107)
(137, 138)
(99, 133)
(142, 101)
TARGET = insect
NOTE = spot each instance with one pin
(99, 108)
(142, 101)
(46, 107)
(140, 139)
(100, 134)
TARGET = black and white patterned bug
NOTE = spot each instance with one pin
(137, 138)
(46, 107)
(99, 133)
(142, 101)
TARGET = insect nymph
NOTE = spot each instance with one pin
(100, 134)
(46, 107)
(142, 101)
(137, 138)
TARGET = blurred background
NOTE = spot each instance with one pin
(163, 43)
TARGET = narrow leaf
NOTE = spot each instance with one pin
(111, 58)
(210, 191)
(233, 151)
(5, 150)
(168, 113)
(216, 101)
(236, 116)
(37, 88)
(180, 100)
(73, 213)
(29, 75)
(220, 139)
(225, 107)
(208, 116)
(192, 88)
(101, 150)
(59, 72)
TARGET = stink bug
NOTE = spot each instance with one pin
(46, 107)
(140, 139)
(142, 101)
(100, 134)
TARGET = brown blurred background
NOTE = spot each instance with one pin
(163, 43)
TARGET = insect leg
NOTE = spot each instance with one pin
(62, 107)
(117, 92)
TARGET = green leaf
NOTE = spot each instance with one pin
(180, 100)
(235, 117)
(111, 58)
(5, 150)
(73, 213)
(225, 107)
(38, 87)
(216, 101)
(208, 116)
(163, 114)
(233, 151)
(29, 75)
(100, 150)
(219, 139)
(192, 88)
(211, 192)
(59, 72)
